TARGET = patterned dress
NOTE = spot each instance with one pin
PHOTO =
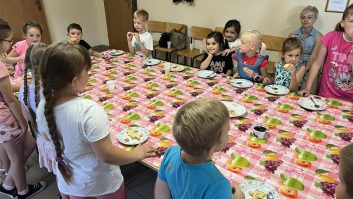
(282, 76)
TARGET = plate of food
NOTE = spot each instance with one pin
(312, 103)
(174, 67)
(206, 74)
(133, 135)
(256, 189)
(276, 89)
(151, 62)
(116, 52)
(235, 110)
(241, 83)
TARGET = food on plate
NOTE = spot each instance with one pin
(134, 134)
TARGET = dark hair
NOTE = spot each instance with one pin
(291, 43)
(60, 64)
(33, 55)
(237, 27)
(5, 29)
(346, 164)
(218, 37)
(74, 26)
(347, 12)
(31, 24)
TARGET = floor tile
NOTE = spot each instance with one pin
(144, 184)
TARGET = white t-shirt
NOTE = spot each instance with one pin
(80, 122)
(146, 39)
(31, 96)
(235, 43)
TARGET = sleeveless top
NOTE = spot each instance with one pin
(282, 76)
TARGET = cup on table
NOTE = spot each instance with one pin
(169, 43)
(167, 66)
(111, 86)
(260, 131)
(191, 46)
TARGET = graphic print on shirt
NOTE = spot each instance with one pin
(217, 66)
(341, 71)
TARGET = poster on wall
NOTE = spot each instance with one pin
(336, 5)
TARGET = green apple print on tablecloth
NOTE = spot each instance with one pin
(237, 163)
(290, 186)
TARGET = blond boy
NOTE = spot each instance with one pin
(201, 129)
(140, 41)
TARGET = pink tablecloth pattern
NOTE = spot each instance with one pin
(139, 86)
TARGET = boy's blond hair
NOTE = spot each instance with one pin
(255, 37)
(346, 167)
(199, 124)
(141, 14)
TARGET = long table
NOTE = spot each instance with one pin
(302, 150)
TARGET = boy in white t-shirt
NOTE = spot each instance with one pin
(140, 41)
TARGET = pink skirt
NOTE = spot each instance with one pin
(9, 131)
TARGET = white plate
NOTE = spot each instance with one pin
(241, 83)
(124, 138)
(175, 67)
(248, 186)
(276, 89)
(235, 110)
(307, 103)
(151, 62)
(207, 74)
(116, 52)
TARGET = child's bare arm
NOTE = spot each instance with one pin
(144, 50)
(296, 76)
(161, 190)
(129, 44)
(229, 72)
(204, 65)
(238, 194)
(13, 57)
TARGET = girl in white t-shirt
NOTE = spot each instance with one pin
(231, 33)
(79, 128)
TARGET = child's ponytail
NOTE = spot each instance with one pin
(262, 48)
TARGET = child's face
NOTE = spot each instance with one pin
(308, 19)
(212, 46)
(75, 35)
(246, 46)
(230, 35)
(347, 24)
(6, 43)
(33, 36)
(139, 24)
(293, 56)
(224, 138)
(81, 81)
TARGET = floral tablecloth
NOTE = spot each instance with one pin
(300, 157)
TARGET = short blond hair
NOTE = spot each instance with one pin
(254, 37)
(199, 124)
(309, 9)
(141, 14)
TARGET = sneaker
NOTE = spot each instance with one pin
(9, 193)
(33, 189)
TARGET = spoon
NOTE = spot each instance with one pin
(316, 105)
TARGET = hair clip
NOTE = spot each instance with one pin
(60, 160)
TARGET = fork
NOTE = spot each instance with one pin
(316, 105)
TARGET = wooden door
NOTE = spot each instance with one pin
(119, 14)
(17, 12)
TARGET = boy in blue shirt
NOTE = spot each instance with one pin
(201, 129)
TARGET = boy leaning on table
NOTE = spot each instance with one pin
(140, 41)
(200, 129)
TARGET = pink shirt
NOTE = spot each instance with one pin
(6, 116)
(337, 70)
(20, 48)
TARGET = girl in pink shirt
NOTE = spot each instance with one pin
(32, 32)
(335, 54)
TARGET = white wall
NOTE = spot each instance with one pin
(272, 17)
(90, 14)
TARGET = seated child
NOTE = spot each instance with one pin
(214, 60)
(289, 72)
(140, 41)
(252, 65)
(231, 33)
(344, 189)
(187, 171)
(74, 32)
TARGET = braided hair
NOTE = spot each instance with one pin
(60, 64)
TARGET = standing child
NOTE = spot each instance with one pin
(30, 93)
(289, 72)
(141, 41)
(200, 129)
(344, 189)
(252, 65)
(74, 32)
(17, 143)
(335, 54)
(231, 33)
(79, 128)
(214, 60)
(32, 32)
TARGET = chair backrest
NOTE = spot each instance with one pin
(180, 27)
(30, 118)
(199, 32)
(273, 49)
(157, 26)
(219, 29)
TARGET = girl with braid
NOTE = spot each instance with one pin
(16, 142)
(79, 128)
(30, 93)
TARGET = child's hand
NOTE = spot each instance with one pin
(249, 72)
(22, 135)
(129, 36)
(290, 68)
(73, 40)
(304, 93)
(137, 37)
(236, 74)
(145, 151)
(225, 52)
(266, 80)
(22, 57)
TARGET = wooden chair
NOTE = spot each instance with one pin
(156, 27)
(169, 27)
(274, 48)
(219, 29)
(197, 33)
